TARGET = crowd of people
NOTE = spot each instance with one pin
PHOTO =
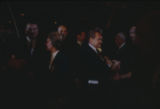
(52, 68)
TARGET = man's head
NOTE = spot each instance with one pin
(120, 39)
(32, 30)
(53, 41)
(132, 33)
(81, 36)
(95, 38)
(62, 30)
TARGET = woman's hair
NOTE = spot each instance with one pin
(55, 39)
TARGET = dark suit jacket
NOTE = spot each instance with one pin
(59, 78)
(22, 51)
(124, 56)
(76, 59)
(92, 67)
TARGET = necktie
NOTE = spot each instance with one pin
(100, 55)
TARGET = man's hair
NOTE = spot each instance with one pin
(62, 26)
(93, 31)
(26, 28)
(121, 35)
(32, 21)
(55, 39)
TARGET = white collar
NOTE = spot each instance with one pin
(122, 45)
(28, 38)
(79, 42)
(93, 47)
(54, 54)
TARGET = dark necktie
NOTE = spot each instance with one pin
(100, 55)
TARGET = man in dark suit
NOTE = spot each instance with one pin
(27, 49)
(94, 71)
(58, 66)
(21, 65)
(123, 56)
(122, 76)
(78, 43)
(94, 67)
(71, 49)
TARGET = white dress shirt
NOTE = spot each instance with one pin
(93, 47)
(79, 42)
(122, 45)
(52, 58)
(30, 42)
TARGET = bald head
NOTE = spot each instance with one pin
(132, 33)
(32, 30)
(62, 30)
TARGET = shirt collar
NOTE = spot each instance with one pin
(55, 53)
(28, 38)
(122, 45)
(79, 43)
(93, 47)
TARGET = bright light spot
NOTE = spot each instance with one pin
(93, 82)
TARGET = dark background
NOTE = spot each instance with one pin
(86, 15)
(77, 14)
(112, 17)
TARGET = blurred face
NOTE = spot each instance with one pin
(118, 40)
(83, 36)
(48, 44)
(32, 30)
(78, 37)
(97, 40)
(62, 30)
(132, 33)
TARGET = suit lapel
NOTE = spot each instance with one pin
(54, 63)
(96, 55)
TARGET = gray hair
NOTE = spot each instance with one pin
(93, 31)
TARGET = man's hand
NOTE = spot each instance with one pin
(116, 76)
(115, 65)
(108, 61)
(128, 75)
(16, 63)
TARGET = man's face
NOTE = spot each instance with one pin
(78, 37)
(32, 30)
(83, 36)
(132, 33)
(97, 40)
(48, 44)
(62, 30)
(118, 40)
